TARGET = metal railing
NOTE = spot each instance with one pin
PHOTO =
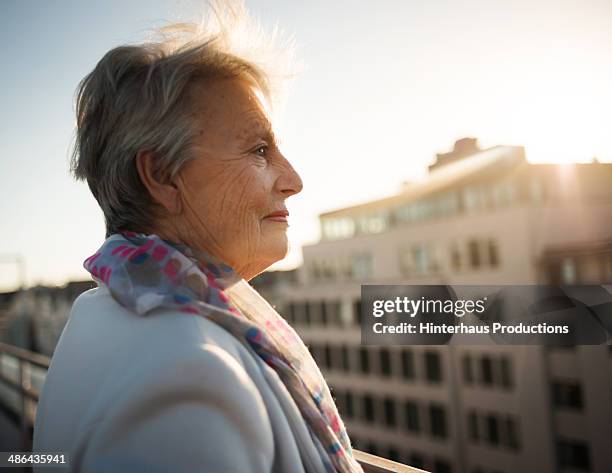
(373, 464)
(22, 373)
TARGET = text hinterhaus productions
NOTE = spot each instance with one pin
(431, 328)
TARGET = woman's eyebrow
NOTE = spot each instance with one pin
(255, 129)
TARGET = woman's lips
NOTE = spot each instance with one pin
(280, 216)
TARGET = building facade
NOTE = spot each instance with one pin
(480, 217)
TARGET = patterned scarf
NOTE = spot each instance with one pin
(143, 272)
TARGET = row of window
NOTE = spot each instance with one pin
(571, 454)
(417, 259)
(354, 266)
(477, 253)
(377, 360)
(579, 269)
(406, 414)
(488, 370)
(413, 457)
(422, 259)
(470, 199)
(493, 429)
(319, 312)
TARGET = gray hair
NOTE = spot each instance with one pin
(136, 99)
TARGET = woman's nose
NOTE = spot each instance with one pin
(289, 182)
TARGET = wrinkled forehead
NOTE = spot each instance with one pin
(232, 108)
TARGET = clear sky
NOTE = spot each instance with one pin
(387, 85)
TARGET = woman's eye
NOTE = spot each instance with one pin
(261, 151)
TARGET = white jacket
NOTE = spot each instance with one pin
(165, 392)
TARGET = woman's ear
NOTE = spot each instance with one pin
(163, 192)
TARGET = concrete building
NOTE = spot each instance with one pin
(34, 318)
(480, 217)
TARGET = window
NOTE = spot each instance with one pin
(455, 257)
(567, 395)
(368, 408)
(344, 403)
(319, 354)
(357, 311)
(290, 312)
(442, 466)
(418, 259)
(364, 359)
(385, 362)
(503, 193)
(474, 253)
(493, 254)
(371, 448)
(416, 460)
(473, 426)
(334, 314)
(437, 417)
(568, 271)
(337, 228)
(315, 271)
(344, 354)
(314, 312)
(447, 204)
(298, 312)
(468, 373)
(407, 364)
(307, 319)
(376, 223)
(349, 405)
(389, 410)
(573, 454)
(421, 259)
(433, 369)
(362, 266)
(486, 370)
(336, 357)
(495, 430)
(512, 440)
(505, 372)
(492, 429)
(412, 416)
(474, 199)
(323, 313)
(393, 454)
(327, 356)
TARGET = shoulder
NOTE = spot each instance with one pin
(96, 315)
(175, 392)
(197, 410)
(168, 347)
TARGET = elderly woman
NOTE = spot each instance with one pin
(174, 363)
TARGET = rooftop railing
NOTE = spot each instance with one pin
(22, 374)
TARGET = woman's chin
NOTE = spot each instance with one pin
(276, 247)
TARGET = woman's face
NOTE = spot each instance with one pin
(237, 180)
